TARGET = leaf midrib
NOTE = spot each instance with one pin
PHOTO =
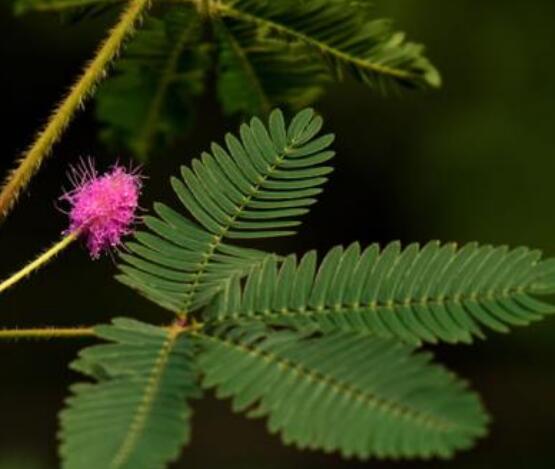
(143, 410)
(344, 308)
(342, 55)
(218, 239)
(393, 408)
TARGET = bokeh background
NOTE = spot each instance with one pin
(472, 161)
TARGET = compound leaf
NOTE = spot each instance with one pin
(135, 415)
(437, 292)
(363, 396)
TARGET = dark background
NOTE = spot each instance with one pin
(473, 161)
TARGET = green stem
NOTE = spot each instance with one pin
(62, 115)
(47, 333)
(39, 261)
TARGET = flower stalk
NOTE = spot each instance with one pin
(103, 210)
(39, 261)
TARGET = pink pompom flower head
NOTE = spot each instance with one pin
(102, 207)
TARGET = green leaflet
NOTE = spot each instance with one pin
(180, 267)
(257, 187)
(255, 73)
(416, 294)
(345, 35)
(149, 101)
(355, 394)
(136, 414)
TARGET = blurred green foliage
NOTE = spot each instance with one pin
(18, 461)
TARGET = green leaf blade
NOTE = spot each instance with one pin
(434, 293)
(244, 191)
(148, 103)
(136, 414)
(362, 396)
(256, 74)
(345, 35)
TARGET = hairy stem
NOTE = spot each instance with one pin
(62, 115)
(39, 261)
(47, 333)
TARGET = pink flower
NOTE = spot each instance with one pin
(103, 208)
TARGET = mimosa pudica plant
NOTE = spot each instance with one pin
(327, 350)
